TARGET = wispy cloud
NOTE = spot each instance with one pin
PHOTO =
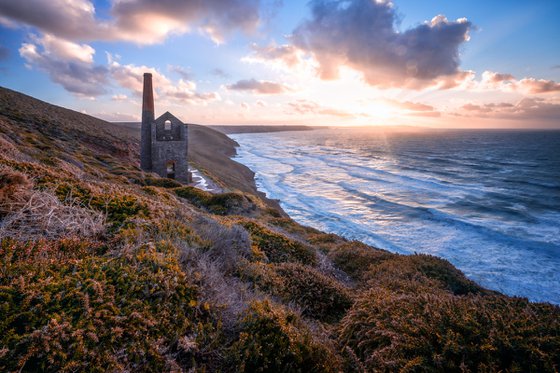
(130, 77)
(415, 108)
(220, 73)
(527, 109)
(493, 80)
(184, 73)
(259, 86)
(310, 107)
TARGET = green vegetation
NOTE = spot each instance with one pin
(355, 258)
(273, 339)
(319, 296)
(278, 248)
(105, 268)
(438, 331)
(162, 182)
(220, 204)
(60, 302)
(120, 209)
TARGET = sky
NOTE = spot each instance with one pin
(435, 63)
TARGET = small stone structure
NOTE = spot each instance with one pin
(163, 141)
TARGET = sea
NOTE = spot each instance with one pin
(486, 200)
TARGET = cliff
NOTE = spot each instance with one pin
(106, 268)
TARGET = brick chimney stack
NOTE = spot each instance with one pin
(148, 117)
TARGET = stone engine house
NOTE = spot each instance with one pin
(163, 141)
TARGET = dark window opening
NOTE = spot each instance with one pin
(170, 167)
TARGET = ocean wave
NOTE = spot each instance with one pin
(493, 216)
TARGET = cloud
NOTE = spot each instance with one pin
(493, 77)
(68, 64)
(412, 106)
(259, 86)
(117, 117)
(416, 108)
(155, 20)
(309, 107)
(184, 91)
(532, 85)
(526, 109)
(72, 20)
(181, 71)
(220, 73)
(120, 97)
(139, 21)
(287, 54)
(507, 82)
(361, 34)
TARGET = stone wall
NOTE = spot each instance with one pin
(170, 148)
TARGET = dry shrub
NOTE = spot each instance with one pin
(441, 332)
(9, 150)
(290, 226)
(101, 313)
(318, 296)
(117, 204)
(227, 243)
(355, 258)
(274, 339)
(405, 273)
(326, 266)
(162, 182)
(219, 204)
(229, 295)
(14, 189)
(44, 216)
(277, 248)
(213, 260)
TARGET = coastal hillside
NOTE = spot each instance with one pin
(106, 268)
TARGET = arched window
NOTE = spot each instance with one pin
(167, 125)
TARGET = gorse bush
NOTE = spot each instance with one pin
(119, 208)
(404, 273)
(11, 182)
(162, 182)
(355, 258)
(273, 339)
(440, 332)
(278, 248)
(319, 296)
(69, 310)
(219, 204)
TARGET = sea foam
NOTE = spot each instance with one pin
(487, 201)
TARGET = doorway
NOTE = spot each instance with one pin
(170, 169)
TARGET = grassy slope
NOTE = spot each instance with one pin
(103, 267)
(210, 151)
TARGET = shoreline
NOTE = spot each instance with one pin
(309, 211)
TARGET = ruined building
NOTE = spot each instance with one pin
(163, 141)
